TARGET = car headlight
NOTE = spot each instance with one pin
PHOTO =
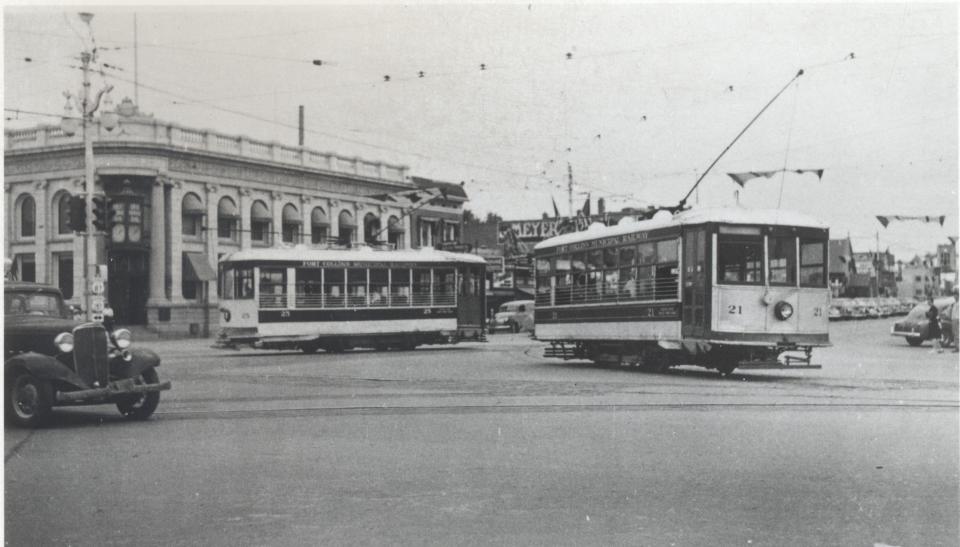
(122, 338)
(64, 342)
(783, 311)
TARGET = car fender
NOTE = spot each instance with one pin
(44, 367)
(141, 360)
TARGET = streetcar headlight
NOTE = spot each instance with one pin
(64, 342)
(123, 338)
(783, 311)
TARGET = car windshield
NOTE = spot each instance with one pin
(34, 303)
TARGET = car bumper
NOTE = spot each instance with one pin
(120, 387)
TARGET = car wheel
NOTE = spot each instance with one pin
(29, 400)
(914, 341)
(141, 406)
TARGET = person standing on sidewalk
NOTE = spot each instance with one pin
(933, 328)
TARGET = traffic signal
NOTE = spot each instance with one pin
(78, 214)
(102, 216)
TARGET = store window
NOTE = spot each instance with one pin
(319, 225)
(192, 213)
(291, 224)
(228, 216)
(260, 222)
(28, 216)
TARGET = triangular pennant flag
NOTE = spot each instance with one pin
(883, 220)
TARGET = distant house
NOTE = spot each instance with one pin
(842, 266)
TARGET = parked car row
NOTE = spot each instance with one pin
(915, 327)
(869, 308)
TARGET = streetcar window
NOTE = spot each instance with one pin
(273, 287)
(309, 288)
(782, 257)
(812, 262)
(610, 258)
(543, 290)
(543, 265)
(667, 251)
(628, 282)
(237, 283)
(739, 259)
(611, 284)
(444, 286)
(356, 287)
(627, 255)
(563, 288)
(594, 260)
(562, 264)
(594, 288)
(579, 262)
(379, 286)
(333, 291)
(646, 253)
(579, 291)
(421, 287)
(400, 287)
(646, 277)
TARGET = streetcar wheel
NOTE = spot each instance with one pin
(309, 347)
(141, 406)
(655, 360)
(28, 400)
(725, 370)
(914, 341)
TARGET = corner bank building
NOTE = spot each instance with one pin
(181, 198)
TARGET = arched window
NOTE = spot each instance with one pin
(227, 218)
(192, 214)
(291, 224)
(347, 226)
(260, 221)
(371, 228)
(395, 232)
(62, 204)
(28, 216)
(319, 224)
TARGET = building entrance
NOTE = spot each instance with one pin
(129, 286)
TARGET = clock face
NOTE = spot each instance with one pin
(119, 231)
(133, 232)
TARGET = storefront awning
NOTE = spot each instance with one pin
(192, 205)
(291, 215)
(197, 268)
(318, 217)
(346, 219)
(227, 209)
(259, 211)
(394, 225)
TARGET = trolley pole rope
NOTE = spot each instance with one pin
(683, 201)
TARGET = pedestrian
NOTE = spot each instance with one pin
(933, 326)
(955, 320)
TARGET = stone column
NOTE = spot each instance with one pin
(8, 215)
(244, 218)
(276, 209)
(384, 224)
(158, 270)
(176, 242)
(306, 212)
(40, 190)
(408, 231)
(333, 215)
(212, 239)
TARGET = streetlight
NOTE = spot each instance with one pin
(108, 120)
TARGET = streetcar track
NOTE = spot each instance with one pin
(520, 409)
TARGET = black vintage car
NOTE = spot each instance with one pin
(52, 360)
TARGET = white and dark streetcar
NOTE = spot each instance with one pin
(720, 288)
(339, 299)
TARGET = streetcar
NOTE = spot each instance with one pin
(339, 299)
(722, 288)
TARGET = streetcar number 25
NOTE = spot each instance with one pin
(734, 309)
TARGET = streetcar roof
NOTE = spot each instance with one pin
(725, 215)
(362, 254)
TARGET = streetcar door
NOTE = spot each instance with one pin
(694, 282)
(470, 304)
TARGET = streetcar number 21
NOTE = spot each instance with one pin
(734, 309)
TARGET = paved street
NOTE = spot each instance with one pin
(493, 444)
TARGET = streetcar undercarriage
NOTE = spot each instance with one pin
(659, 356)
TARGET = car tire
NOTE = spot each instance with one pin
(914, 341)
(29, 400)
(141, 406)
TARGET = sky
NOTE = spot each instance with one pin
(638, 99)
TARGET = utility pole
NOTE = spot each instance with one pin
(570, 188)
(93, 299)
(877, 266)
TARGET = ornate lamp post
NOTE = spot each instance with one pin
(108, 120)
